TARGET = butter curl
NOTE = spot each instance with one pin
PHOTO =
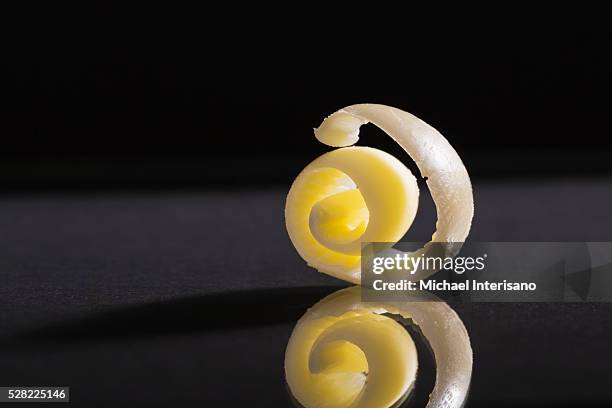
(355, 195)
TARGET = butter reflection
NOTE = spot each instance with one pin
(347, 353)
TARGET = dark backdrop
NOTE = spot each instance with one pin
(189, 297)
(186, 104)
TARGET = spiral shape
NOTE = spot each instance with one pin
(345, 353)
(355, 195)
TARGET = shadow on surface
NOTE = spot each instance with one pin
(205, 313)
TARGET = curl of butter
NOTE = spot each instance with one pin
(356, 195)
(346, 353)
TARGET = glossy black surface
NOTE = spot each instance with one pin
(191, 297)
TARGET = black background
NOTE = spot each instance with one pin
(195, 101)
(146, 156)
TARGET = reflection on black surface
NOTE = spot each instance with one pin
(418, 394)
(333, 306)
(203, 366)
